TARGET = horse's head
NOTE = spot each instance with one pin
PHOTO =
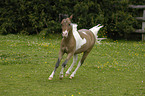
(66, 26)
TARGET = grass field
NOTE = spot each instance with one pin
(113, 68)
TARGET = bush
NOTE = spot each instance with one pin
(33, 16)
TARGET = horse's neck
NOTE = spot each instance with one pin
(76, 34)
(78, 39)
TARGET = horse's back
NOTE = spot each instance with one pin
(85, 33)
(81, 30)
(90, 40)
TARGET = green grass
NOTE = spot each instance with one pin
(113, 68)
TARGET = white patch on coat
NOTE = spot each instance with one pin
(79, 41)
(85, 33)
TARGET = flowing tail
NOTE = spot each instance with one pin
(95, 29)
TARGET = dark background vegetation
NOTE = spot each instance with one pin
(43, 16)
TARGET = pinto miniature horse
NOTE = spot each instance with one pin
(73, 43)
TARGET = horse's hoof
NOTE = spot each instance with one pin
(70, 77)
(50, 78)
(66, 74)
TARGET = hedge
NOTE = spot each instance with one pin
(35, 16)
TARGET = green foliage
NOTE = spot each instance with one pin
(21, 16)
(122, 23)
(33, 16)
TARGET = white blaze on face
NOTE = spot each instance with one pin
(79, 41)
(65, 33)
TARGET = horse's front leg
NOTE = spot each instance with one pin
(56, 65)
(64, 64)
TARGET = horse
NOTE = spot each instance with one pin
(74, 42)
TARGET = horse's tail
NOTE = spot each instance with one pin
(95, 29)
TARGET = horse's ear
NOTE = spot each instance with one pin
(71, 16)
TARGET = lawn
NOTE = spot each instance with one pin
(113, 68)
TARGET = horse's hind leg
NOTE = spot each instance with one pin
(72, 75)
(79, 64)
(75, 57)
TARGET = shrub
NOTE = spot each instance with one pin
(33, 16)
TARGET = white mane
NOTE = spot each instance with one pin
(74, 26)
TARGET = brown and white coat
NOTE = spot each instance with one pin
(74, 42)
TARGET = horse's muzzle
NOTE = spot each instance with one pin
(65, 33)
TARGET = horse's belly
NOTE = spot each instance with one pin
(84, 48)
